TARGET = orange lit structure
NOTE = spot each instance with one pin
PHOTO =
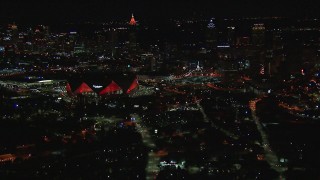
(7, 158)
(111, 88)
(83, 88)
(100, 87)
(133, 86)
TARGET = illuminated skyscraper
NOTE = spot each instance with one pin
(132, 21)
(12, 35)
(132, 33)
(113, 39)
(211, 33)
(211, 25)
(258, 34)
(231, 37)
(269, 62)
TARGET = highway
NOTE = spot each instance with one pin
(152, 168)
(270, 155)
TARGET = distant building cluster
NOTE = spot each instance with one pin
(196, 98)
(226, 44)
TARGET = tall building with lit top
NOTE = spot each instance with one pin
(258, 34)
(113, 41)
(11, 35)
(132, 21)
(132, 33)
(211, 25)
(211, 37)
(231, 36)
(9, 40)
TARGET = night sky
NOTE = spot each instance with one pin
(73, 10)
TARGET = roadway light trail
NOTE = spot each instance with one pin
(152, 168)
(271, 156)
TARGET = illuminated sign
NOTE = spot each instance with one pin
(45, 81)
(223, 46)
(97, 86)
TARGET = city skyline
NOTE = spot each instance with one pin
(159, 90)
